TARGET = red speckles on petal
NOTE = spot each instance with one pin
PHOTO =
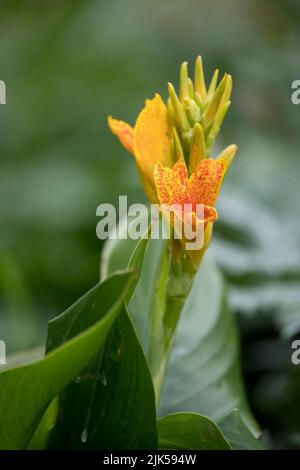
(205, 183)
(180, 172)
(174, 188)
(161, 183)
(172, 184)
(178, 183)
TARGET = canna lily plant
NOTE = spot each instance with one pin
(99, 383)
(172, 144)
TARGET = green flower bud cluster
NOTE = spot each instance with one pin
(196, 115)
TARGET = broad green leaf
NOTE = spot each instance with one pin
(26, 391)
(115, 392)
(190, 431)
(116, 397)
(136, 262)
(141, 304)
(237, 433)
(204, 373)
(40, 438)
(116, 255)
(105, 297)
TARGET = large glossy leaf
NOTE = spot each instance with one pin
(204, 373)
(26, 391)
(115, 392)
(238, 433)
(116, 397)
(116, 255)
(90, 308)
(40, 438)
(190, 431)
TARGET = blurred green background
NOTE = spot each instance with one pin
(67, 65)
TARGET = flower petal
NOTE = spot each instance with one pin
(227, 155)
(124, 132)
(205, 183)
(151, 142)
(180, 173)
(197, 255)
(161, 184)
(210, 214)
(172, 184)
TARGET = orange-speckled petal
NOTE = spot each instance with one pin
(172, 184)
(151, 141)
(180, 173)
(178, 183)
(161, 184)
(123, 131)
(204, 184)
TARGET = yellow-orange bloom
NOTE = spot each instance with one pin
(202, 187)
(176, 190)
(148, 141)
(172, 146)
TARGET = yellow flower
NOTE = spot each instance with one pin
(148, 141)
(202, 187)
(177, 190)
(172, 145)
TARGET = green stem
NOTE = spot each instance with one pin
(173, 287)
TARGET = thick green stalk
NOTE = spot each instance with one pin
(173, 287)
